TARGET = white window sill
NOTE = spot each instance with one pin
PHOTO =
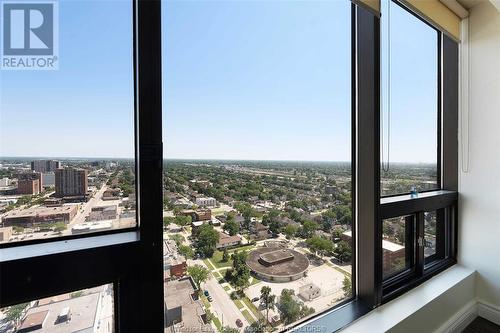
(60, 246)
(389, 315)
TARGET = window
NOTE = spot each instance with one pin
(89, 310)
(409, 102)
(263, 206)
(258, 175)
(416, 218)
(67, 135)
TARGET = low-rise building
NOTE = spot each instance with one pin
(94, 226)
(259, 231)
(184, 312)
(67, 314)
(309, 292)
(227, 241)
(173, 263)
(206, 201)
(34, 216)
(111, 194)
(101, 213)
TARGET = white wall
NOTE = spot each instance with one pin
(436, 314)
(479, 224)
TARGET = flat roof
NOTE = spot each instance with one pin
(83, 314)
(40, 211)
(276, 256)
(34, 319)
(296, 265)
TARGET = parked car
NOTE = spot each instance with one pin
(255, 299)
(239, 323)
(206, 293)
(210, 299)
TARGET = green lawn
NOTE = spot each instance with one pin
(227, 288)
(208, 264)
(217, 323)
(243, 248)
(217, 260)
(252, 307)
(247, 316)
(205, 302)
(238, 303)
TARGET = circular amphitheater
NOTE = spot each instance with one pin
(277, 264)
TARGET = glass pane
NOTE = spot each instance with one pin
(409, 102)
(430, 225)
(87, 310)
(67, 134)
(257, 137)
(397, 245)
(436, 235)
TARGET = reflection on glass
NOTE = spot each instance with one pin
(67, 136)
(396, 245)
(409, 102)
(257, 200)
(89, 310)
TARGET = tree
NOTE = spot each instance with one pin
(208, 238)
(247, 211)
(308, 228)
(267, 300)
(347, 287)
(256, 327)
(178, 239)
(291, 310)
(343, 251)
(15, 312)
(275, 227)
(319, 245)
(290, 230)
(166, 221)
(225, 256)
(186, 251)
(199, 274)
(232, 227)
(183, 220)
(240, 273)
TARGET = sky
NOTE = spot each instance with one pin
(241, 80)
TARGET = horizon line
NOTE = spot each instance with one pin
(187, 159)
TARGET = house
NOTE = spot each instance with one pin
(226, 241)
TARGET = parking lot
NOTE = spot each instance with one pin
(327, 278)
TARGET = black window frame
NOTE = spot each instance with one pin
(133, 264)
(439, 109)
(135, 267)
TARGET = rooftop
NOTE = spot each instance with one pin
(40, 211)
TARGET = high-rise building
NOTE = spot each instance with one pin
(26, 183)
(71, 182)
(28, 186)
(45, 165)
